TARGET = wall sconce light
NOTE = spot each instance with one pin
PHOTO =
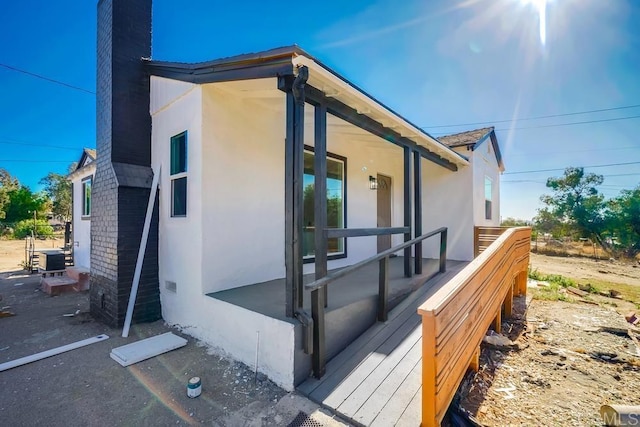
(373, 183)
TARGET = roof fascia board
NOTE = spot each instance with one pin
(315, 96)
(89, 168)
(378, 112)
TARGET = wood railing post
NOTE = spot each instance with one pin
(443, 251)
(383, 289)
(319, 346)
(429, 371)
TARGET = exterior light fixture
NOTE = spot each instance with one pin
(373, 183)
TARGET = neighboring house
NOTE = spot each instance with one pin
(81, 180)
(239, 143)
(481, 147)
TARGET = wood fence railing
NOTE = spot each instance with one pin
(456, 317)
(484, 236)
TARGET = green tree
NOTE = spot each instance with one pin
(58, 189)
(623, 219)
(577, 203)
(23, 203)
(514, 222)
(547, 223)
(7, 184)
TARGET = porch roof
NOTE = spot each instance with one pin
(285, 61)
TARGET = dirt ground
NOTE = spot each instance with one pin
(588, 269)
(85, 387)
(12, 252)
(569, 357)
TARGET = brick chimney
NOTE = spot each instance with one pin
(122, 181)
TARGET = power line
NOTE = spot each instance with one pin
(36, 161)
(561, 169)
(539, 153)
(59, 147)
(560, 124)
(29, 73)
(535, 117)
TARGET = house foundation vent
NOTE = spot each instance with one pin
(170, 286)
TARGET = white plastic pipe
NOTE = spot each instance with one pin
(141, 251)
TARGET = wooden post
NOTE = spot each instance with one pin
(293, 193)
(474, 365)
(383, 289)
(497, 321)
(319, 296)
(318, 360)
(407, 209)
(429, 371)
(443, 251)
(417, 209)
(508, 302)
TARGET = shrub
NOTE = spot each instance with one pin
(23, 228)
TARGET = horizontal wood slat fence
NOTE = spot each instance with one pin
(456, 317)
(484, 236)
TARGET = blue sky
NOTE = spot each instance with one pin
(435, 62)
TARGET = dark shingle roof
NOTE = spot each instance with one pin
(469, 137)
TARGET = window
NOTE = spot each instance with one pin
(179, 175)
(86, 197)
(488, 193)
(336, 204)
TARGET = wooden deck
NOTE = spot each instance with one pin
(376, 380)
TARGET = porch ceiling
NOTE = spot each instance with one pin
(264, 92)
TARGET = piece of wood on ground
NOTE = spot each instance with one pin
(577, 291)
(147, 348)
(52, 352)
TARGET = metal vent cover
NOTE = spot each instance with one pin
(304, 420)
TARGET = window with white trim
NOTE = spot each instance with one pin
(178, 175)
(488, 197)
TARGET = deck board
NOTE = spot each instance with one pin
(376, 380)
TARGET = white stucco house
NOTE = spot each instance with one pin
(241, 145)
(81, 180)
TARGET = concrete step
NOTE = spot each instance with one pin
(58, 285)
(80, 275)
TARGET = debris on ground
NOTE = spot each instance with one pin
(567, 361)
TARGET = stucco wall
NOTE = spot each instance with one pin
(81, 226)
(447, 201)
(485, 164)
(175, 108)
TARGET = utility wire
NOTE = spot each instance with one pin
(46, 78)
(535, 117)
(59, 147)
(36, 161)
(558, 124)
(561, 169)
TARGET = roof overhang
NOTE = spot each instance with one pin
(285, 61)
(334, 86)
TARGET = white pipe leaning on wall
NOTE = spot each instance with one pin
(141, 251)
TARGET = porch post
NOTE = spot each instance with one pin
(319, 296)
(407, 208)
(294, 174)
(417, 212)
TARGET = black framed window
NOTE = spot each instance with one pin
(488, 197)
(336, 204)
(86, 197)
(178, 175)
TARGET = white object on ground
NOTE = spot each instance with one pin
(147, 348)
(52, 352)
(141, 251)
